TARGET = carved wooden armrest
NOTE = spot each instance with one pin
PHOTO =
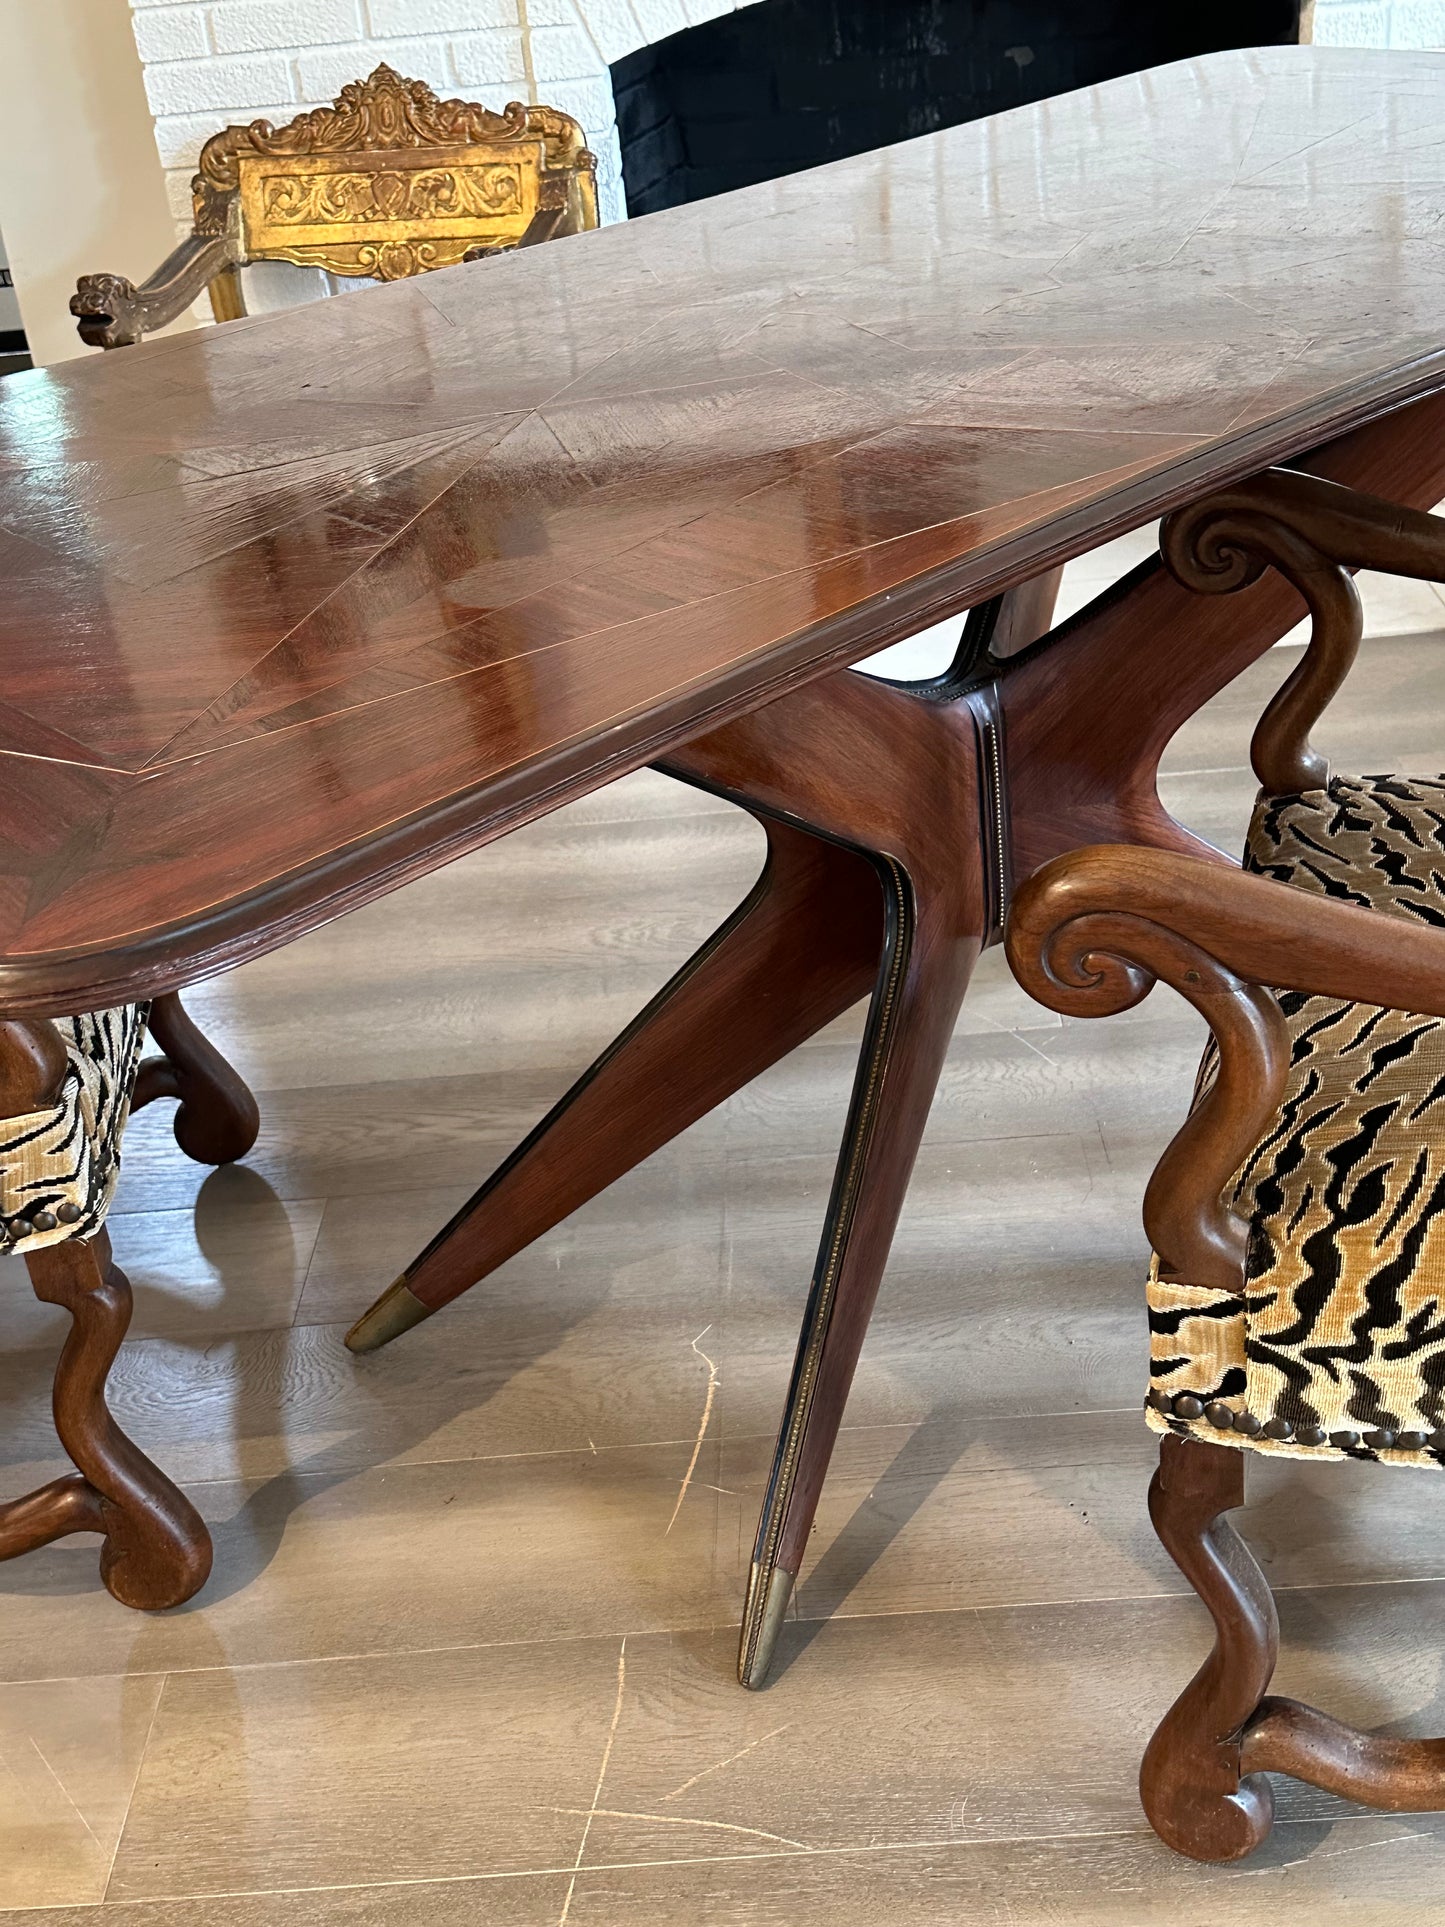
(113, 313)
(1090, 933)
(1315, 533)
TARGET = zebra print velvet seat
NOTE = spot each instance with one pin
(58, 1166)
(1338, 1346)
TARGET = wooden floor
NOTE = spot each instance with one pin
(468, 1651)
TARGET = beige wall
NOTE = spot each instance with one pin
(81, 184)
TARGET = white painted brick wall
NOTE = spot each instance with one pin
(247, 26)
(1380, 23)
(210, 62)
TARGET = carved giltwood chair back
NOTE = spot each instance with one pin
(388, 181)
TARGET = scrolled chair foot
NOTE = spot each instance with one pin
(217, 1120)
(157, 1552)
(1195, 1792)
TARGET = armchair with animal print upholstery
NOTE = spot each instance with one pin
(67, 1086)
(386, 183)
(1296, 1298)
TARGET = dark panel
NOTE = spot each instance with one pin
(788, 84)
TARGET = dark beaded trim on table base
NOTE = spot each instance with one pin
(1190, 1407)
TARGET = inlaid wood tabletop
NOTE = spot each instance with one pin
(300, 606)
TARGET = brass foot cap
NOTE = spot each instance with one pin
(395, 1312)
(762, 1623)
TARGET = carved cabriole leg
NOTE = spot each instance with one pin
(1202, 1779)
(157, 1551)
(218, 1119)
(799, 950)
(1194, 1791)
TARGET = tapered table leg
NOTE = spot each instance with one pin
(933, 940)
(826, 778)
(802, 947)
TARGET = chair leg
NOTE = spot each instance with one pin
(1195, 1791)
(799, 950)
(218, 1119)
(157, 1551)
(932, 944)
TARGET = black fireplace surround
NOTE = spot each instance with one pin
(788, 84)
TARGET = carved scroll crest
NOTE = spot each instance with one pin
(385, 112)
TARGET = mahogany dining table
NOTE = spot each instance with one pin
(297, 608)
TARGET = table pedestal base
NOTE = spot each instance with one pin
(896, 817)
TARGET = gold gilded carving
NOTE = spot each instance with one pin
(395, 260)
(453, 193)
(383, 112)
(388, 181)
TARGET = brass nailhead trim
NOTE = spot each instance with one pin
(1189, 1406)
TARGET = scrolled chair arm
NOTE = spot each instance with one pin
(1314, 533)
(1212, 544)
(1091, 932)
(112, 312)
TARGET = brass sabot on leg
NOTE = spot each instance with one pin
(395, 1312)
(763, 1615)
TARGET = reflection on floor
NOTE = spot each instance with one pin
(460, 1662)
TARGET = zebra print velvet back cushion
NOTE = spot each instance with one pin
(1338, 1346)
(65, 1159)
